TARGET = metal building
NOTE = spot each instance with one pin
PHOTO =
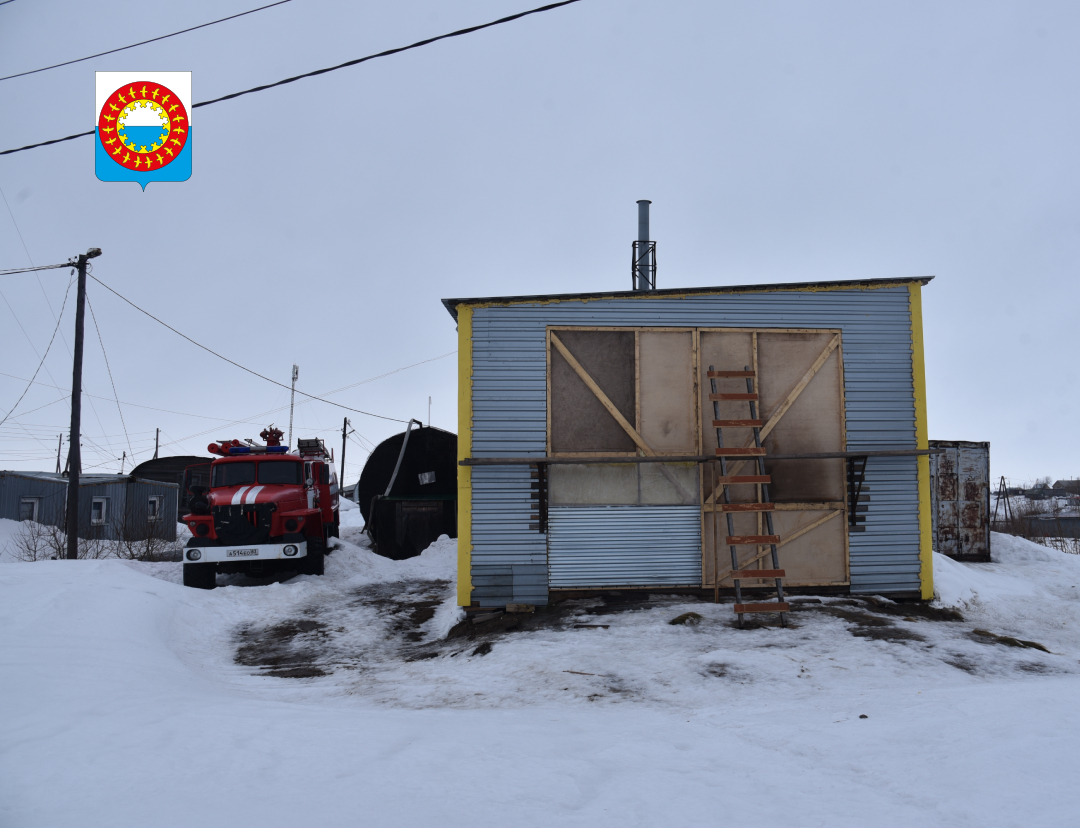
(172, 470)
(586, 440)
(960, 498)
(109, 504)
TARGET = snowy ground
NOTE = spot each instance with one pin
(130, 700)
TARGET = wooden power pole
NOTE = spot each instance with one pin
(74, 450)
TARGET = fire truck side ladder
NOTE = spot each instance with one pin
(763, 503)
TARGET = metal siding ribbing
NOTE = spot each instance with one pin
(597, 546)
(509, 560)
(509, 399)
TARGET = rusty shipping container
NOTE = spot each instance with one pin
(960, 499)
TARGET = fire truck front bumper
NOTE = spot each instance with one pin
(288, 551)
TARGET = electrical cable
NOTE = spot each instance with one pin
(387, 53)
(142, 42)
(36, 370)
(109, 369)
(32, 269)
(237, 364)
(125, 402)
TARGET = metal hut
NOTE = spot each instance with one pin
(590, 453)
(110, 505)
(687, 438)
(960, 496)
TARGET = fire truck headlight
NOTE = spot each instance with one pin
(194, 554)
(291, 525)
(202, 530)
(290, 550)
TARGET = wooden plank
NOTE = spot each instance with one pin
(743, 574)
(775, 607)
(751, 540)
(745, 507)
(584, 376)
(733, 480)
(824, 506)
(722, 397)
(740, 452)
(730, 374)
(737, 423)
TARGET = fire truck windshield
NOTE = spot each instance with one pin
(233, 474)
(279, 471)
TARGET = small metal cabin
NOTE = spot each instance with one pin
(110, 505)
(587, 445)
(960, 496)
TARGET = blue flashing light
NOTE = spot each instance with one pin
(239, 450)
(277, 449)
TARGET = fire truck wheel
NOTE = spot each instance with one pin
(315, 562)
(200, 576)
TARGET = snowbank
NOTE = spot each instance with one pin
(127, 702)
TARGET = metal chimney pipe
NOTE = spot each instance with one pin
(644, 258)
(643, 220)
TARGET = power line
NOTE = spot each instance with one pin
(387, 53)
(141, 42)
(108, 368)
(237, 364)
(36, 370)
(31, 269)
(135, 405)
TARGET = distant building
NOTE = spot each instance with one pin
(1068, 486)
(110, 505)
(171, 470)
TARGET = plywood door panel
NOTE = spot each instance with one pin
(813, 422)
(579, 422)
(666, 388)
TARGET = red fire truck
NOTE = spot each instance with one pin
(266, 509)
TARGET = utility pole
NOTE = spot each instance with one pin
(292, 399)
(59, 447)
(344, 434)
(74, 452)
(123, 462)
(157, 437)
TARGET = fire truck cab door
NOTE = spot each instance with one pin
(309, 485)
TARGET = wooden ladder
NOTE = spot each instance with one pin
(763, 504)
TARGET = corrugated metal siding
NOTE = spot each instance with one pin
(53, 497)
(138, 501)
(509, 560)
(124, 493)
(509, 399)
(595, 546)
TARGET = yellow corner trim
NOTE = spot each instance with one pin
(464, 443)
(922, 441)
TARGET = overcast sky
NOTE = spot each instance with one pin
(324, 220)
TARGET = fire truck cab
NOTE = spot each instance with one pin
(266, 509)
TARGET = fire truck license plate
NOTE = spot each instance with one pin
(242, 553)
